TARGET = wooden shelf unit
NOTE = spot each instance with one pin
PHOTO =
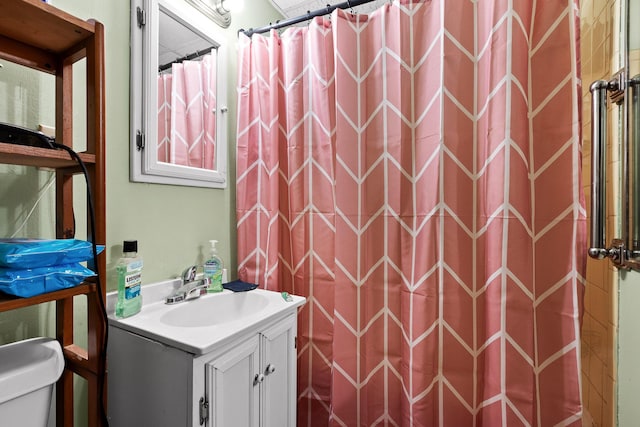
(39, 36)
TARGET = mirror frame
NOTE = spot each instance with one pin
(144, 164)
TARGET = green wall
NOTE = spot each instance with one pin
(172, 224)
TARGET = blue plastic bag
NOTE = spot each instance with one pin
(35, 253)
(35, 281)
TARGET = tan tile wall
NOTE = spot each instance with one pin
(600, 315)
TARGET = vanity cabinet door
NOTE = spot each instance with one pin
(233, 385)
(278, 362)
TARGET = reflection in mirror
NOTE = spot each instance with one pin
(186, 96)
(178, 66)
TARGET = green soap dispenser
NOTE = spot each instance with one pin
(213, 269)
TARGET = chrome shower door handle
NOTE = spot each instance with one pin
(634, 173)
(598, 90)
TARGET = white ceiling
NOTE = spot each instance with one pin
(295, 8)
(176, 41)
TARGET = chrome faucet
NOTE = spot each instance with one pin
(190, 287)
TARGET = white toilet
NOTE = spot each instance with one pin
(28, 371)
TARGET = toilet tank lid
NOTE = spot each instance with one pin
(29, 365)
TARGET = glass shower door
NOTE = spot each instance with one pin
(628, 339)
(629, 120)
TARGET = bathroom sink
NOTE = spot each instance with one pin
(200, 325)
(213, 311)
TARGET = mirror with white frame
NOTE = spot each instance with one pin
(178, 96)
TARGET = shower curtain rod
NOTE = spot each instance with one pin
(309, 15)
(194, 55)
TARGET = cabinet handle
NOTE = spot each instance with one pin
(258, 379)
(270, 369)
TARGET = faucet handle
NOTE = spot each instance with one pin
(189, 274)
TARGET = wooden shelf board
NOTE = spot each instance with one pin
(77, 360)
(42, 157)
(42, 26)
(76, 353)
(9, 302)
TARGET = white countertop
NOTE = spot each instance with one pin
(198, 339)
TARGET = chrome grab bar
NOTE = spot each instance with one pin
(634, 151)
(598, 90)
(623, 252)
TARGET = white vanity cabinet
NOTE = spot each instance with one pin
(254, 383)
(247, 380)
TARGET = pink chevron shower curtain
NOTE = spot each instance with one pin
(186, 114)
(415, 173)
